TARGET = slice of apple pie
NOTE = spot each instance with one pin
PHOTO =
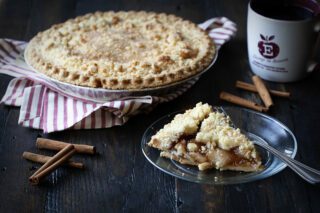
(204, 138)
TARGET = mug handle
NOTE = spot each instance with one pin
(313, 65)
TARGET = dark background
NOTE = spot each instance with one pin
(119, 178)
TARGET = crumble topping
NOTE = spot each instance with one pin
(121, 50)
(182, 124)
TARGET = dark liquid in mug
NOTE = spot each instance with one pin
(281, 10)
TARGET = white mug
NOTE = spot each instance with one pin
(281, 41)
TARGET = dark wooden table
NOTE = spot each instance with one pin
(119, 178)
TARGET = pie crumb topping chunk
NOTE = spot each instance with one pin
(211, 142)
(121, 50)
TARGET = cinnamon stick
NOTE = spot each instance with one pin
(43, 159)
(43, 143)
(262, 90)
(252, 88)
(59, 158)
(241, 101)
(35, 179)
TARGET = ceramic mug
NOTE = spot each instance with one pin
(281, 38)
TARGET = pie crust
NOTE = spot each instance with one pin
(204, 138)
(121, 50)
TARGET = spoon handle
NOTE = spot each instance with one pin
(307, 173)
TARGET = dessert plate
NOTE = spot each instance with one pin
(256, 126)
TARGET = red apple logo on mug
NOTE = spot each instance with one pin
(267, 48)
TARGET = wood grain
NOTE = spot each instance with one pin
(119, 178)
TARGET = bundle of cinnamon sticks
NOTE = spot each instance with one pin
(259, 87)
(66, 151)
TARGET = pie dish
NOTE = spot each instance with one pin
(255, 125)
(121, 50)
(205, 138)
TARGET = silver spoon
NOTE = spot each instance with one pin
(309, 174)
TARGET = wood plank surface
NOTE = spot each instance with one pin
(119, 178)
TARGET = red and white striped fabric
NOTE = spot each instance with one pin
(220, 30)
(44, 106)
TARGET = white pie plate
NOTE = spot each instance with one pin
(256, 126)
(101, 95)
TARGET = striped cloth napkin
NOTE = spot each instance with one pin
(44, 106)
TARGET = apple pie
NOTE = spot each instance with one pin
(204, 138)
(121, 50)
